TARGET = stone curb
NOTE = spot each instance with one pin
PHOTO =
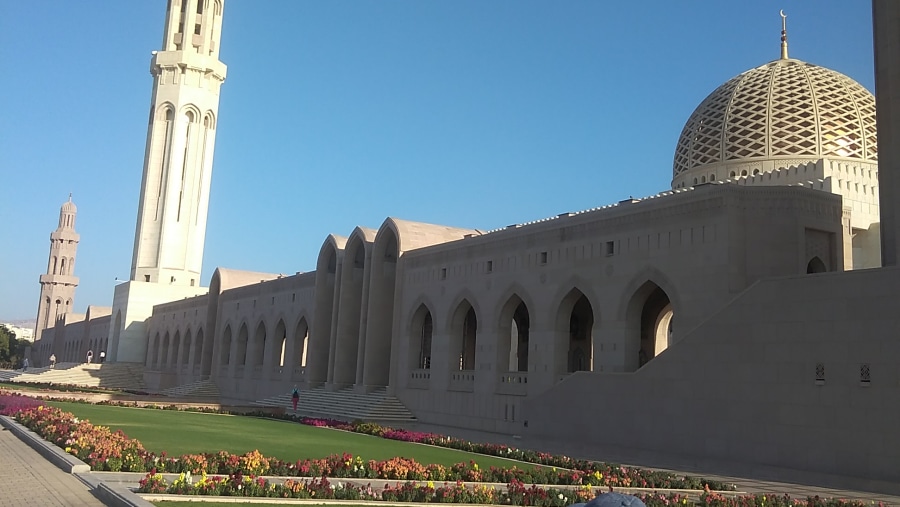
(65, 461)
(113, 495)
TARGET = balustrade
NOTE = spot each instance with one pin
(463, 380)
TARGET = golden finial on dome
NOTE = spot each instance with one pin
(784, 53)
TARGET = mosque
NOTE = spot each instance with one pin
(741, 316)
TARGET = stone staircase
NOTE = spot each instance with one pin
(205, 389)
(344, 404)
(124, 376)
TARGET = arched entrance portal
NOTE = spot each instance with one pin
(377, 364)
(463, 334)
(514, 336)
(656, 326)
(580, 346)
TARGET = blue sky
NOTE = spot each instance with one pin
(335, 114)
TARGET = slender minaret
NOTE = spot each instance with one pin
(58, 285)
(187, 75)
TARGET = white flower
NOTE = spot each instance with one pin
(561, 496)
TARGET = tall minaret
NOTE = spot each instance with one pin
(58, 285)
(187, 75)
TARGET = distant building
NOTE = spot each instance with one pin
(20, 332)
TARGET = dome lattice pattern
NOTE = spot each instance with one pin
(786, 108)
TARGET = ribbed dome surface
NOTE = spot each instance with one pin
(784, 109)
(68, 207)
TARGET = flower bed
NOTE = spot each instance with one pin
(105, 450)
(515, 493)
(100, 448)
(10, 403)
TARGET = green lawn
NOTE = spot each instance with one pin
(180, 433)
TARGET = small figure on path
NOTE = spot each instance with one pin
(295, 397)
(52, 360)
(102, 356)
(90, 356)
(25, 364)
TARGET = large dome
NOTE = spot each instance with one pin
(787, 110)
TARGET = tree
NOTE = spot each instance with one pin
(5, 335)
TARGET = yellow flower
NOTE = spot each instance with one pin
(431, 484)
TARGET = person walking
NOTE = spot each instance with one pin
(25, 366)
(295, 397)
(90, 356)
(102, 356)
(52, 360)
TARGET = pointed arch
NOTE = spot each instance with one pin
(301, 341)
(352, 297)
(322, 346)
(649, 321)
(513, 335)
(463, 332)
(816, 265)
(279, 346)
(573, 333)
(186, 348)
(164, 353)
(380, 314)
(647, 274)
(225, 357)
(172, 360)
(198, 348)
(154, 352)
(209, 119)
(421, 331)
(259, 345)
(242, 344)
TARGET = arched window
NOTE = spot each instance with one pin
(425, 341)
(816, 265)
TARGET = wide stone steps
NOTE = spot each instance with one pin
(344, 404)
(125, 376)
(206, 389)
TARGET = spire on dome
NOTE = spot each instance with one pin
(784, 52)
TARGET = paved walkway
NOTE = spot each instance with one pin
(27, 478)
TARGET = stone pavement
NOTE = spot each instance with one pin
(27, 478)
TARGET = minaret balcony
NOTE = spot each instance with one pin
(59, 279)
